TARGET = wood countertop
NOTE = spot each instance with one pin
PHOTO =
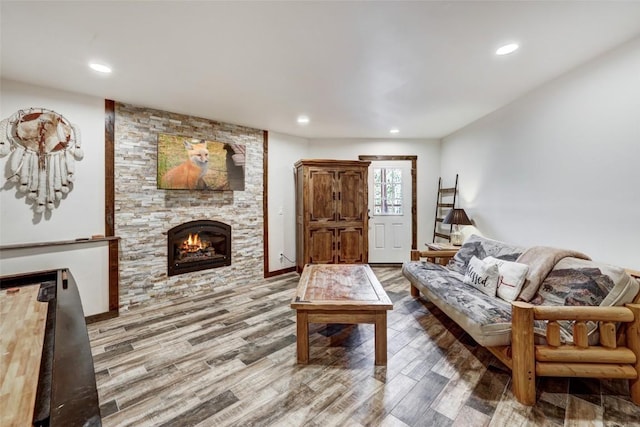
(46, 367)
(23, 320)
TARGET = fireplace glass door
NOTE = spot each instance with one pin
(198, 245)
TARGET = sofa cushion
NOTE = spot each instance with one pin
(486, 319)
(481, 247)
(482, 276)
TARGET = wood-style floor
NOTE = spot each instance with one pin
(228, 358)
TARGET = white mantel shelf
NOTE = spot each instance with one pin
(58, 243)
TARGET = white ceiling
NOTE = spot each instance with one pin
(356, 69)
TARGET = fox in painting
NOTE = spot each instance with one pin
(189, 175)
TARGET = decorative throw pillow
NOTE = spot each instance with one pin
(482, 275)
(482, 247)
(512, 276)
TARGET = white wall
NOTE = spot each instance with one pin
(79, 214)
(284, 151)
(428, 152)
(560, 166)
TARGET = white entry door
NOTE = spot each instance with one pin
(389, 211)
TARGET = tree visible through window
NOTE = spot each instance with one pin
(387, 191)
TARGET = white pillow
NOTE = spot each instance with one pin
(512, 277)
(482, 275)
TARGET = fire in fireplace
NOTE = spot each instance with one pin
(198, 245)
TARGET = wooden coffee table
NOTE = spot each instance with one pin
(341, 293)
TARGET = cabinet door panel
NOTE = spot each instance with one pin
(321, 246)
(350, 246)
(322, 204)
(352, 197)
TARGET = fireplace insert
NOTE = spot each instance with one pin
(198, 245)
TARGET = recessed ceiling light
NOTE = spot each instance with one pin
(394, 130)
(101, 68)
(303, 120)
(507, 49)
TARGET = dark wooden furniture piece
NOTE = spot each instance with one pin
(341, 294)
(332, 223)
(42, 314)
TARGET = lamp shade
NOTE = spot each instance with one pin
(457, 216)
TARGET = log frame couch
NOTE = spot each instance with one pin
(601, 342)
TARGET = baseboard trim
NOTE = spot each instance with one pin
(279, 272)
(101, 316)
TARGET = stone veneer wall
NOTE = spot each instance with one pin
(143, 213)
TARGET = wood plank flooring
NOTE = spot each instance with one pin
(227, 357)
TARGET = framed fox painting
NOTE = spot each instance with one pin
(186, 163)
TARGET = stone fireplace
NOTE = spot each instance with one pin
(198, 245)
(144, 213)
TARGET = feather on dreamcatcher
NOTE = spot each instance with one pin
(44, 147)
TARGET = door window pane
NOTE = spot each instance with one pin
(387, 191)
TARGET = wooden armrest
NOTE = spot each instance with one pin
(606, 360)
(595, 314)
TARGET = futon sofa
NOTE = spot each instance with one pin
(542, 311)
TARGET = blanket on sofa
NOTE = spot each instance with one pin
(541, 260)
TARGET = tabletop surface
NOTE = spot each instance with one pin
(340, 285)
(23, 319)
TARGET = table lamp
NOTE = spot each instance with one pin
(458, 217)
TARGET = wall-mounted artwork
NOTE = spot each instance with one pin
(44, 147)
(197, 164)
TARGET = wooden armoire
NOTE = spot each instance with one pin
(331, 212)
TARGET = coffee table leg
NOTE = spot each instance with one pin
(381, 338)
(303, 336)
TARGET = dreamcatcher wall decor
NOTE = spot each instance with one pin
(44, 147)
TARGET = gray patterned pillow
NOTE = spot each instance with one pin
(481, 247)
(586, 286)
(575, 286)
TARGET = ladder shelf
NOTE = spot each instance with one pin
(446, 200)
